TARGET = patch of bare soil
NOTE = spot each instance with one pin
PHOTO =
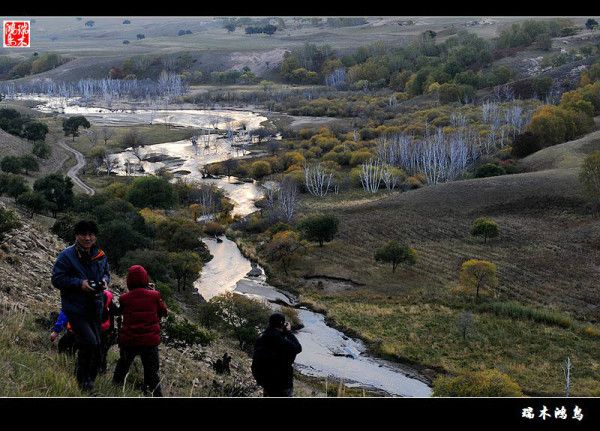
(326, 284)
(258, 62)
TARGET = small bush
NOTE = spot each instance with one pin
(487, 383)
(415, 182)
(166, 293)
(260, 169)
(8, 221)
(525, 144)
(591, 331)
(212, 228)
(489, 170)
(187, 333)
(279, 227)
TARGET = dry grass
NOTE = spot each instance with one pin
(428, 334)
(546, 251)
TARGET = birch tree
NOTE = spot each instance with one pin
(288, 195)
(371, 175)
(317, 179)
(106, 133)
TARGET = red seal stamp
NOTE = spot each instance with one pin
(16, 34)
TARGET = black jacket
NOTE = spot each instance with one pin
(274, 354)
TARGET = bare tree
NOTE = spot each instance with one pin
(92, 135)
(133, 140)
(317, 179)
(194, 140)
(110, 162)
(439, 156)
(390, 178)
(106, 133)
(207, 200)
(288, 195)
(567, 371)
(371, 175)
(270, 193)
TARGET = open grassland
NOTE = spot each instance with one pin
(546, 253)
(150, 134)
(428, 334)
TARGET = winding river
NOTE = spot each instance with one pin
(327, 353)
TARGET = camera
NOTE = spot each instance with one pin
(98, 286)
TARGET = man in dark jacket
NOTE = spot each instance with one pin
(142, 308)
(274, 353)
(81, 272)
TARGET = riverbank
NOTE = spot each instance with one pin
(292, 287)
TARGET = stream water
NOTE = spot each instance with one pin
(326, 352)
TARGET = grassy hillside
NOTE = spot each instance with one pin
(31, 366)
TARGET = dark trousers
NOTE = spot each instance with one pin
(87, 337)
(105, 343)
(149, 356)
(289, 392)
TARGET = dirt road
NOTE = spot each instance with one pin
(72, 173)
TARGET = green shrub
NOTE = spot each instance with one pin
(155, 262)
(152, 192)
(185, 332)
(243, 316)
(8, 221)
(166, 293)
(485, 227)
(487, 383)
(489, 170)
(11, 164)
(525, 144)
(212, 228)
(319, 227)
(260, 169)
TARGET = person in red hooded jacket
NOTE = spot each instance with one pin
(142, 308)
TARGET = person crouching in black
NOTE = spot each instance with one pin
(274, 353)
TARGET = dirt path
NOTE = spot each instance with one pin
(72, 173)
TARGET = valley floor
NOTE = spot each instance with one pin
(547, 256)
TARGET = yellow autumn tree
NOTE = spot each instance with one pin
(478, 274)
(195, 210)
(284, 247)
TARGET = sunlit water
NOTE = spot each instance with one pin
(326, 352)
(161, 114)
